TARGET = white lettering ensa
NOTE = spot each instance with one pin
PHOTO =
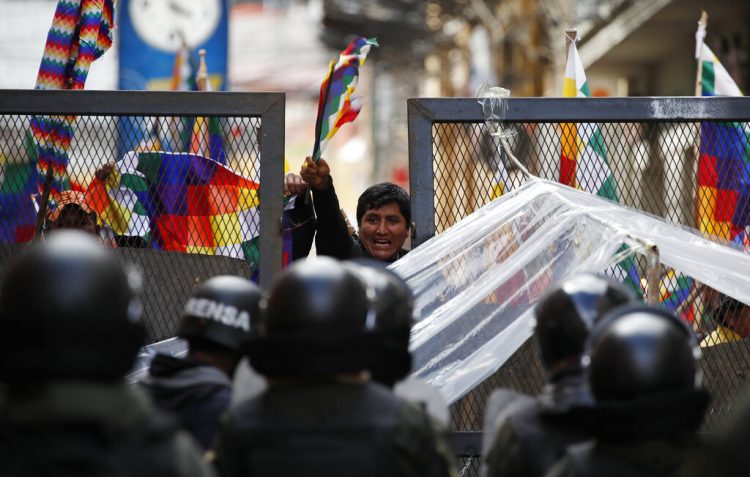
(213, 310)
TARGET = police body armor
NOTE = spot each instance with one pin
(641, 459)
(342, 429)
(643, 372)
(542, 434)
(108, 439)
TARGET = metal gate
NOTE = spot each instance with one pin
(652, 147)
(121, 136)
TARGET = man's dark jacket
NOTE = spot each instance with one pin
(93, 429)
(193, 391)
(330, 428)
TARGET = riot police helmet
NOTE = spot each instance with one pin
(69, 310)
(566, 314)
(638, 351)
(219, 314)
(392, 302)
(315, 321)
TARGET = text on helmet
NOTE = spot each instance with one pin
(213, 310)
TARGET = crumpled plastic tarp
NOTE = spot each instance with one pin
(476, 283)
(176, 347)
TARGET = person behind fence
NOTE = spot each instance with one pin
(321, 414)
(525, 436)
(642, 367)
(393, 304)
(732, 318)
(72, 212)
(383, 216)
(216, 323)
(71, 328)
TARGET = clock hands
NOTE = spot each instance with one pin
(178, 9)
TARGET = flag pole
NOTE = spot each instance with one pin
(700, 35)
(201, 78)
(571, 36)
(702, 24)
(318, 127)
(43, 205)
(319, 122)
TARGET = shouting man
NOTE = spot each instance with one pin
(383, 216)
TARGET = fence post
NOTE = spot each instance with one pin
(421, 173)
(271, 189)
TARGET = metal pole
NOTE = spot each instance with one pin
(421, 172)
(271, 188)
(652, 274)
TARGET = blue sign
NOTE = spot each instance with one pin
(151, 32)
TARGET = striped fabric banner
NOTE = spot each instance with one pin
(81, 32)
(583, 155)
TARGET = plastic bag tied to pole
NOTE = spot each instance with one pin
(494, 101)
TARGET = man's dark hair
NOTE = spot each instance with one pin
(375, 197)
(726, 307)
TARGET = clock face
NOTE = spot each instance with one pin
(164, 23)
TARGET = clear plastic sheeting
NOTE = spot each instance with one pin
(476, 284)
(173, 347)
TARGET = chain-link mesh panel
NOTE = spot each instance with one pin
(177, 196)
(523, 372)
(653, 166)
(717, 322)
(691, 174)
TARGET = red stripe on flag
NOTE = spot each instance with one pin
(567, 171)
(97, 197)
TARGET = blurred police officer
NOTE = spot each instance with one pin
(321, 415)
(216, 326)
(392, 302)
(70, 320)
(644, 376)
(524, 436)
